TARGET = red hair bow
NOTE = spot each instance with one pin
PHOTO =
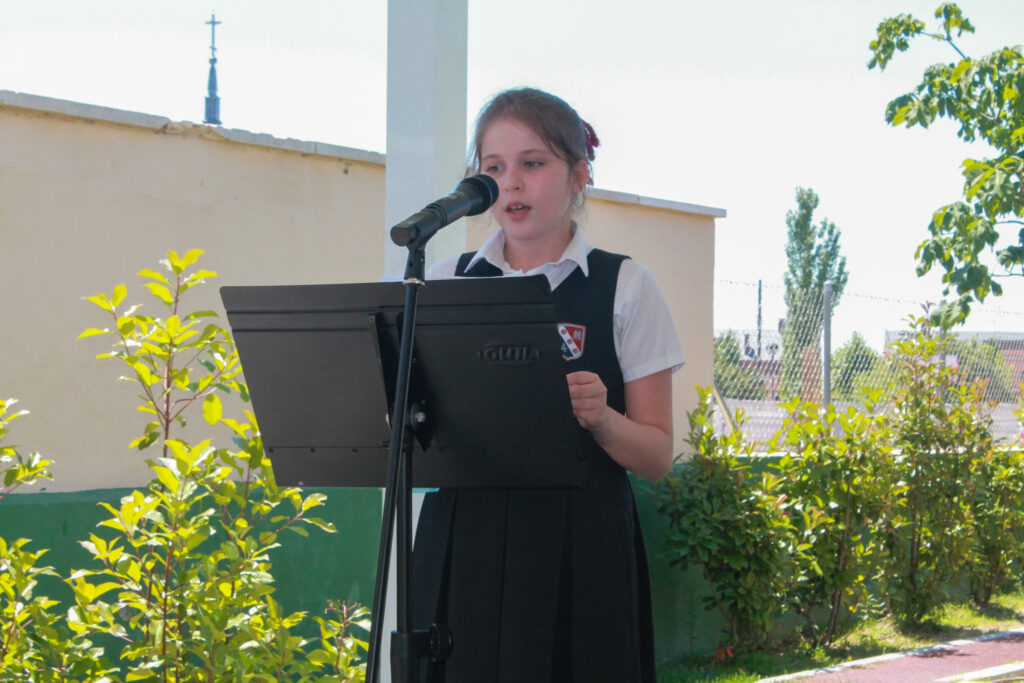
(591, 138)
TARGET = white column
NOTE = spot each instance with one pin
(426, 117)
(426, 149)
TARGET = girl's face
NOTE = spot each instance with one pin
(536, 187)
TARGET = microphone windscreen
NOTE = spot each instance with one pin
(485, 189)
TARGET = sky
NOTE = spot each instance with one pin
(731, 104)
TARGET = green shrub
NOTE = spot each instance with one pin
(35, 644)
(829, 475)
(731, 522)
(17, 469)
(995, 547)
(183, 586)
(942, 428)
(996, 497)
(904, 502)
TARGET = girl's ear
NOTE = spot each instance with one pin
(580, 176)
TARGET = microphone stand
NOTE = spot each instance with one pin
(408, 646)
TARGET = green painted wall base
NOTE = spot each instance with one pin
(682, 625)
(308, 571)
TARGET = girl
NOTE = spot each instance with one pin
(552, 584)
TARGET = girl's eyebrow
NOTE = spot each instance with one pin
(522, 153)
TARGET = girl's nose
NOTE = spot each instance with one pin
(512, 181)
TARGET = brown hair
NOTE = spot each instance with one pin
(568, 136)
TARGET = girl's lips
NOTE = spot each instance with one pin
(517, 211)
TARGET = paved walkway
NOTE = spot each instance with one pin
(991, 657)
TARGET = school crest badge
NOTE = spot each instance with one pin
(574, 338)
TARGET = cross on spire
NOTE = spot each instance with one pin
(212, 23)
(212, 100)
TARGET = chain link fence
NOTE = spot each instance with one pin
(764, 354)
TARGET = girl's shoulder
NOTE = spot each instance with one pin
(637, 280)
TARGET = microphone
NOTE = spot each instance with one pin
(470, 197)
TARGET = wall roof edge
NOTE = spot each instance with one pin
(654, 202)
(50, 105)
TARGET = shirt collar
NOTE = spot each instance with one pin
(493, 251)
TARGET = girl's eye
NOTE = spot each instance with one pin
(533, 164)
(492, 169)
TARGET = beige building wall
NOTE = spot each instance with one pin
(89, 196)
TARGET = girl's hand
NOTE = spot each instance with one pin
(589, 399)
(640, 440)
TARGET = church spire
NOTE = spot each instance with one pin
(212, 100)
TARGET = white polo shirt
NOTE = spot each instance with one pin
(645, 338)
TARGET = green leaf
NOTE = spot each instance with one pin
(93, 331)
(146, 376)
(125, 325)
(101, 300)
(190, 257)
(146, 272)
(161, 292)
(312, 501)
(201, 275)
(321, 524)
(213, 411)
(174, 262)
(173, 326)
(201, 314)
(179, 448)
(321, 657)
(90, 592)
(144, 442)
(180, 263)
(120, 292)
(168, 478)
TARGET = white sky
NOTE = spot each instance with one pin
(726, 103)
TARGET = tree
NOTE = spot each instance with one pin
(813, 258)
(856, 367)
(732, 378)
(984, 96)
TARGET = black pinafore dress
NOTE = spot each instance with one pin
(543, 584)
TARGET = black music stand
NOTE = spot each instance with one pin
(487, 400)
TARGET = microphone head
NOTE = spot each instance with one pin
(482, 189)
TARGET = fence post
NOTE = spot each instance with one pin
(759, 322)
(826, 365)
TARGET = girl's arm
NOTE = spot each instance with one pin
(641, 440)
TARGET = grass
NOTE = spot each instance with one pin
(875, 637)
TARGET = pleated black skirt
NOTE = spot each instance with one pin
(536, 584)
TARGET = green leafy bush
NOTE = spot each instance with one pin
(828, 473)
(996, 498)
(17, 469)
(903, 500)
(942, 427)
(995, 548)
(35, 644)
(731, 522)
(183, 586)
